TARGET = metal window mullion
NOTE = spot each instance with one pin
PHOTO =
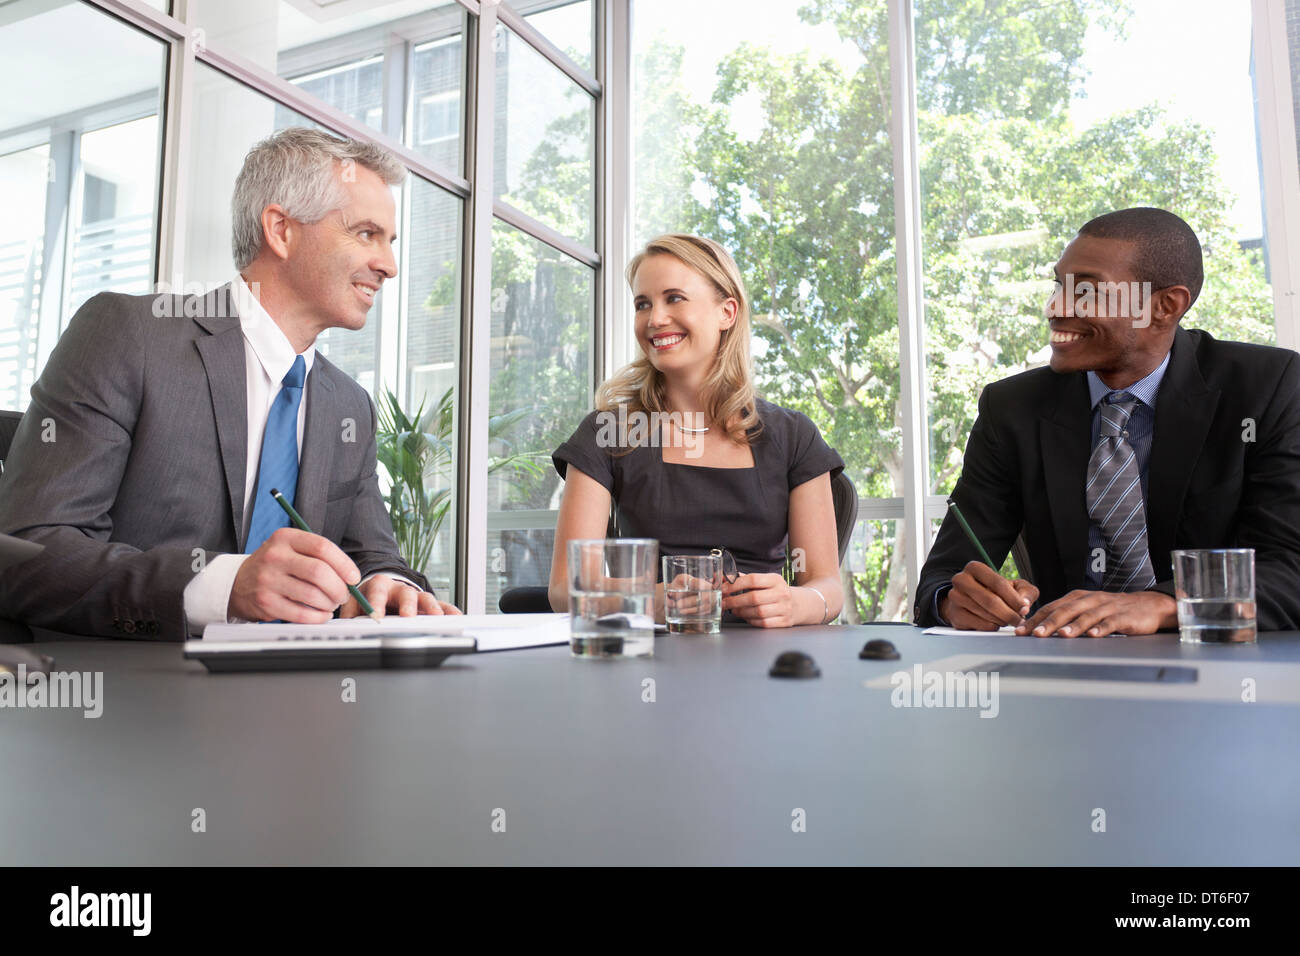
(476, 353)
(613, 59)
(149, 19)
(544, 233)
(74, 194)
(1278, 164)
(558, 58)
(390, 347)
(58, 237)
(907, 228)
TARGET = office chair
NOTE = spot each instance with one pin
(8, 428)
(1020, 553)
(535, 600)
(845, 496)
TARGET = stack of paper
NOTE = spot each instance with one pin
(494, 632)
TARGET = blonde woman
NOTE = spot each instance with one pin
(689, 455)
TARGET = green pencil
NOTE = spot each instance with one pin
(302, 526)
(961, 520)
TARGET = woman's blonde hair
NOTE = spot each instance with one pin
(728, 390)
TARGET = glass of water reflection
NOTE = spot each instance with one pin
(1215, 590)
(612, 597)
(693, 593)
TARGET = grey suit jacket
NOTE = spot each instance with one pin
(129, 467)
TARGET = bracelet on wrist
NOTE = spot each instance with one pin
(826, 608)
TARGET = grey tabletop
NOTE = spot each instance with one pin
(532, 757)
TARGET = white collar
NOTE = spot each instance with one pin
(270, 344)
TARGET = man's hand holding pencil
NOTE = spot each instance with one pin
(983, 600)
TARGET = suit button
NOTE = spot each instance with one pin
(141, 627)
(128, 626)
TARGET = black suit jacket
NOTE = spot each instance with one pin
(1209, 484)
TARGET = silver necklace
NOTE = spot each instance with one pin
(692, 431)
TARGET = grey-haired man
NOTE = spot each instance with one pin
(158, 426)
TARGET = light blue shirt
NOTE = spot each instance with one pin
(1141, 427)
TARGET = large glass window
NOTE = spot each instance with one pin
(430, 324)
(79, 154)
(569, 25)
(542, 312)
(337, 53)
(437, 105)
(1034, 119)
(543, 301)
(545, 140)
(776, 144)
(356, 89)
(279, 34)
(767, 132)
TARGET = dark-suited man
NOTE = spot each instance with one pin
(160, 423)
(1142, 437)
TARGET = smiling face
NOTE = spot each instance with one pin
(1101, 316)
(679, 316)
(335, 267)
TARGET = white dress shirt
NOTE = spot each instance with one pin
(268, 356)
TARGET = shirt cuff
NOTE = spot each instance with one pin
(939, 592)
(207, 596)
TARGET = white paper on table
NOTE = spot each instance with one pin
(956, 632)
(493, 632)
(1005, 629)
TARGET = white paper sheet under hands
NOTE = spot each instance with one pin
(957, 632)
(1005, 629)
(493, 632)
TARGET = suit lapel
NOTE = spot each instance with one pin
(1065, 431)
(320, 432)
(1185, 407)
(222, 352)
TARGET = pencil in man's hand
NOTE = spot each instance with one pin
(302, 526)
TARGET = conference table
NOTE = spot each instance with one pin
(693, 756)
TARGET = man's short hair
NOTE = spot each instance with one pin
(1168, 252)
(294, 169)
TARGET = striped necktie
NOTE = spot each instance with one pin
(278, 467)
(1114, 495)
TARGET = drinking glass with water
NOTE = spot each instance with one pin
(693, 593)
(1215, 591)
(612, 597)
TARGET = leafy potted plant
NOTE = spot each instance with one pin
(416, 450)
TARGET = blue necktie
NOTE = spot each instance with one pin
(278, 467)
